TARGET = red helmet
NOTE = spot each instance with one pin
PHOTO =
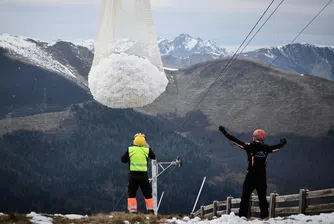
(259, 134)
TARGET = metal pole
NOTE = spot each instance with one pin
(162, 195)
(198, 195)
(155, 186)
(164, 170)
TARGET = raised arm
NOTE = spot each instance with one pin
(151, 154)
(233, 139)
(276, 148)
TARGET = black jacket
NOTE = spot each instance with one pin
(256, 152)
(126, 159)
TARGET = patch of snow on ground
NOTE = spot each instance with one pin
(2, 214)
(71, 216)
(233, 219)
(39, 219)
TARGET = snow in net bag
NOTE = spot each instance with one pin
(127, 70)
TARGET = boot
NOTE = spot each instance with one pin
(151, 212)
(133, 212)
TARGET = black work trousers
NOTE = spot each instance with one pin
(254, 180)
(141, 181)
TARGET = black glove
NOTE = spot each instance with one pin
(283, 141)
(222, 129)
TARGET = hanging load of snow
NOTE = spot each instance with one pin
(127, 70)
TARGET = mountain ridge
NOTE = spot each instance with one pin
(181, 51)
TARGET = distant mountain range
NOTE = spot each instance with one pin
(300, 58)
(182, 51)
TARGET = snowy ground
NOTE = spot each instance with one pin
(233, 219)
(326, 218)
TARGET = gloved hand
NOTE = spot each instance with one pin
(222, 129)
(283, 141)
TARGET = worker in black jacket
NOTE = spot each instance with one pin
(257, 153)
(137, 157)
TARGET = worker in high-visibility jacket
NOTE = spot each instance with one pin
(137, 157)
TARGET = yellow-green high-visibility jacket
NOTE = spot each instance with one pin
(138, 158)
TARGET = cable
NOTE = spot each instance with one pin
(168, 174)
(302, 31)
(225, 68)
(119, 199)
(289, 45)
(185, 119)
(259, 29)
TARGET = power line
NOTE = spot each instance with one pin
(225, 68)
(302, 30)
(120, 199)
(273, 12)
(289, 45)
(185, 119)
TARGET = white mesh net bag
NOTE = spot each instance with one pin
(127, 70)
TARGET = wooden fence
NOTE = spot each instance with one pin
(306, 202)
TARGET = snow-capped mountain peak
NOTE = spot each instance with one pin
(184, 46)
(90, 44)
(33, 52)
(303, 58)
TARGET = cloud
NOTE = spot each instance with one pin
(223, 21)
(222, 6)
(226, 6)
(50, 2)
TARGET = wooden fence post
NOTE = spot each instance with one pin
(307, 201)
(272, 205)
(228, 205)
(302, 201)
(202, 211)
(215, 208)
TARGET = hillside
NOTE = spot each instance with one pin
(275, 100)
(75, 167)
(27, 89)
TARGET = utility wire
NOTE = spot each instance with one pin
(259, 30)
(186, 118)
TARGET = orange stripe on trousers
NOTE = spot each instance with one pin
(132, 204)
(149, 203)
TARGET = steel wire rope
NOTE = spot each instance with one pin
(289, 45)
(217, 78)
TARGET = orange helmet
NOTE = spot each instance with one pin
(259, 134)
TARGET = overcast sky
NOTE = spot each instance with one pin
(226, 22)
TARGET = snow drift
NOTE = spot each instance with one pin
(324, 218)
